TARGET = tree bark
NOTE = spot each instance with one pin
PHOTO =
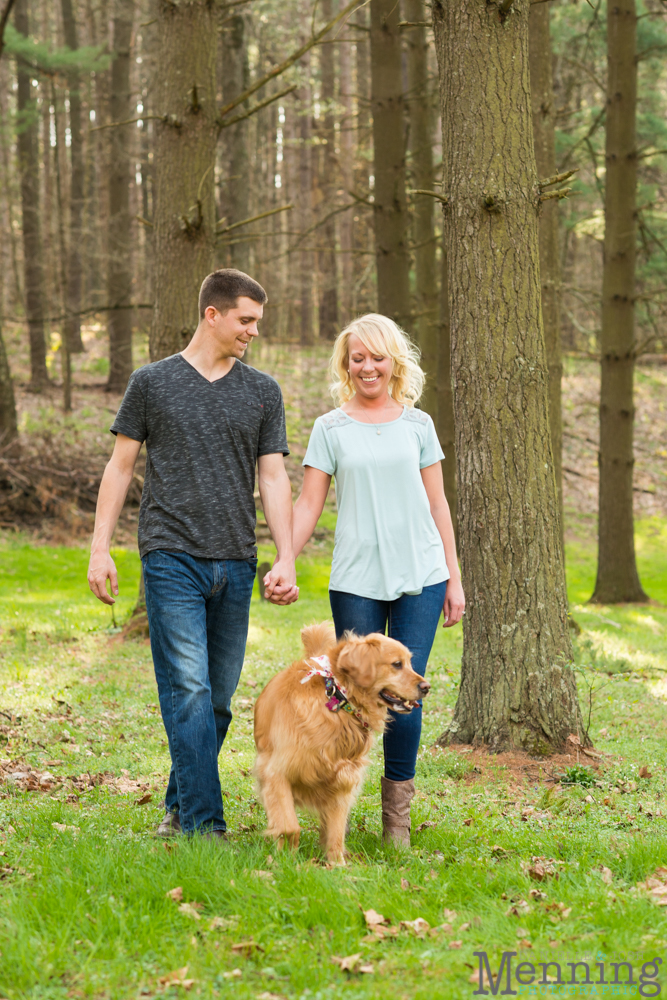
(517, 688)
(305, 214)
(390, 208)
(119, 274)
(235, 80)
(328, 176)
(184, 206)
(76, 197)
(445, 425)
(421, 175)
(544, 120)
(8, 421)
(346, 165)
(617, 576)
(33, 261)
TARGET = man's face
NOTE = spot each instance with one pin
(235, 329)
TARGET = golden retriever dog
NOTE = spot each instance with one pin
(315, 723)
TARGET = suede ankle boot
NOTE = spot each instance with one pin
(396, 799)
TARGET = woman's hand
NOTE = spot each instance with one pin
(455, 603)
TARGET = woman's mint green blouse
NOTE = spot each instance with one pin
(386, 540)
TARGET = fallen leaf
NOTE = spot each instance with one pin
(644, 772)
(405, 884)
(518, 909)
(456, 944)
(174, 978)
(368, 969)
(468, 821)
(498, 852)
(175, 894)
(419, 927)
(190, 910)
(590, 800)
(523, 943)
(246, 948)
(574, 740)
(63, 828)
(537, 894)
(426, 825)
(521, 932)
(146, 797)
(449, 914)
(607, 875)
(224, 923)
(349, 963)
(234, 974)
(463, 928)
(258, 873)
(373, 918)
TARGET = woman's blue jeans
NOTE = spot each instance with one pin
(413, 620)
(198, 618)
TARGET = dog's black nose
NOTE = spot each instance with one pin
(424, 687)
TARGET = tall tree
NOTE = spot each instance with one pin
(305, 213)
(517, 688)
(185, 139)
(27, 126)
(544, 121)
(235, 79)
(421, 174)
(617, 576)
(346, 165)
(119, 273)
(76, 192)
(328, 178)
(390, 210)
(445, 424)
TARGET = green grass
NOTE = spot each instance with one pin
(84, 911)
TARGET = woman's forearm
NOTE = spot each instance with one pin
(443, 521)
(306, 516)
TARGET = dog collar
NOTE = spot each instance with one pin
(336, 693)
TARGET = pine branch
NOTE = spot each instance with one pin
(3, 22)
(257, 107)
(253, 218)
(278, 70)
(556, 179)
(362, 201)
(431, 194)
(561, 193)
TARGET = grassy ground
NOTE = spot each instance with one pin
(84, 910)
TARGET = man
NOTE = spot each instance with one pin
(206, 419)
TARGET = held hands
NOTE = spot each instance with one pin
(280, 583)
(100, 569)
(455, 602)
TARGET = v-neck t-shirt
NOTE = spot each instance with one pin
(386, 543)
(203, 440)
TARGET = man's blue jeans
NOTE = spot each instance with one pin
(413, 620)
(198, 618)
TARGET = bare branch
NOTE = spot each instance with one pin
(556, 179)
(431, 194)
(131, 121)
(281, 67)
(257, 107)
(254, 218)
(361, 200)
(562, 193)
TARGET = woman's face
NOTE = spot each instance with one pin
(370, 373)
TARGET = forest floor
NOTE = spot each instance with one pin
(548, 859)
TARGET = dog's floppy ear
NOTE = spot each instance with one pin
(358, 659)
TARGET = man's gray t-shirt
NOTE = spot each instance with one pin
(203, 440)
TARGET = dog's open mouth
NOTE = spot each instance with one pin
(397, 704)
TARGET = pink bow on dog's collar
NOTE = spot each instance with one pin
(323, 670)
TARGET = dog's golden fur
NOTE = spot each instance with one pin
(311, 757)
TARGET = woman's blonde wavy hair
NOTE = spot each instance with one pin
(381, 336)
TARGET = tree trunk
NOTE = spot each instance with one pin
(328, 176)
(517, 689)
(346, 163)
(119, 275)
(76, 197)
(8, 421)
(235, 79)
(305, 189)
(184, 206)
(544, 120)
(421, 173)
(33, 262)
(390, 208)
(617, 578)
(445, 426)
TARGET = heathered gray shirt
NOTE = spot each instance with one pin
(203, 440)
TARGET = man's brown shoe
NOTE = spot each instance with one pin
(170, 825)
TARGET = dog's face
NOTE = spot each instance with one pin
(382, 667)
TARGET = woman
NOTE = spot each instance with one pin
(394, 562)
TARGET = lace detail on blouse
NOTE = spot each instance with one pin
(419, 416)
(334, 419)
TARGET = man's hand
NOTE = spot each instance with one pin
(280, 583)
(455, 603)
(100, 569)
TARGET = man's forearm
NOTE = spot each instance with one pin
(113, 490)
(277, 503)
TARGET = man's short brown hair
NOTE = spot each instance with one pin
(223, 288)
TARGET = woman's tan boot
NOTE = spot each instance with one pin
(396, 799)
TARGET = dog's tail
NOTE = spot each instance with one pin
(317, 639)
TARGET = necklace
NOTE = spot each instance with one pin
(367, 420)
